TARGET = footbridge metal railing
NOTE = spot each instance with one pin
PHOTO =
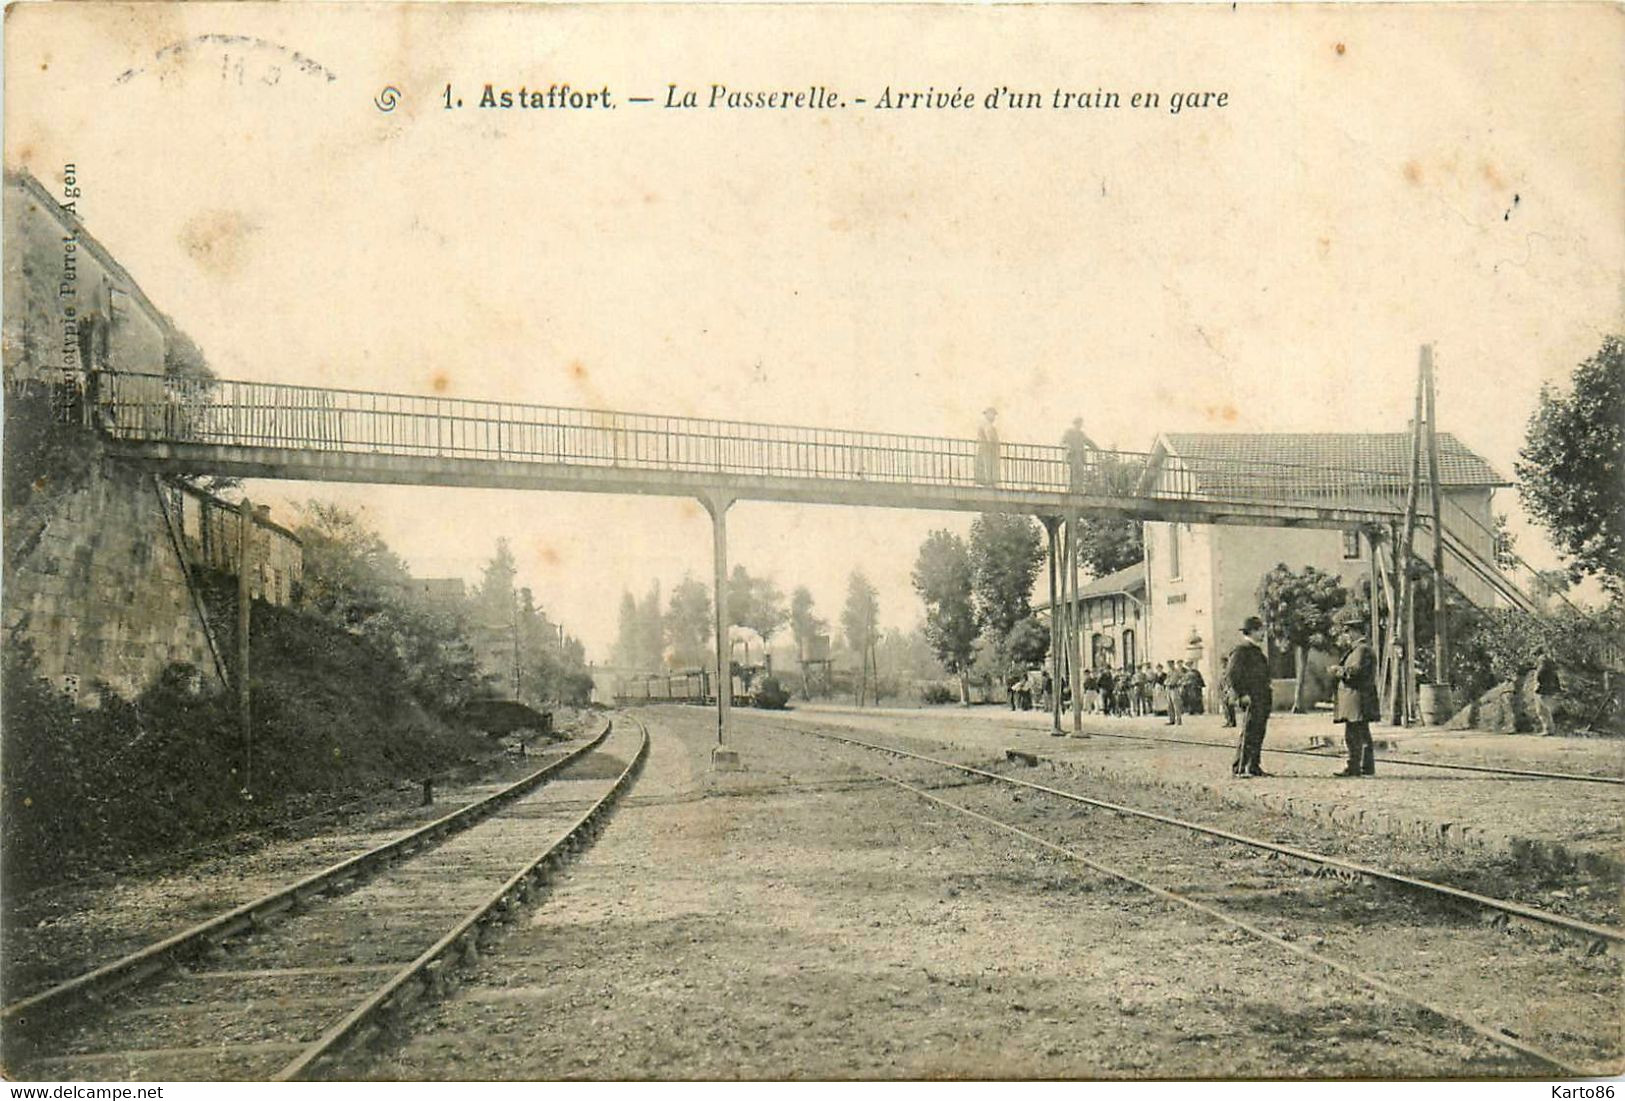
(233, 413)
(230, 413)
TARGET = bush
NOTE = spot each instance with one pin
(938, 693)
(93, 787)
(1502, 645)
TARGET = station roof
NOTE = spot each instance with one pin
(1383, 453)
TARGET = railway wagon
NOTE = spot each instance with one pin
(691, 686)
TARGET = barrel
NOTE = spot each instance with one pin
(1435, 702)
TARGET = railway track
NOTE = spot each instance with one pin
(1234, 889)
(320, 819)
(1399, 762)
(282, 984)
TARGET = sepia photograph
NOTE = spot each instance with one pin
(862, 543)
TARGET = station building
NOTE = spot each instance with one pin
(1187, 599)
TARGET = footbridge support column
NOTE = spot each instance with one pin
(717, 503)
(1070, 625)
(1052, 526)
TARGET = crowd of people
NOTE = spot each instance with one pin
(1174, 689)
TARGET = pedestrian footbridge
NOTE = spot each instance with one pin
(178, 424)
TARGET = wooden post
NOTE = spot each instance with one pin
(1441, 641)
(1407, 595)
(1374, 592)
(1392, 681)
(1410, 658)
(245, 603)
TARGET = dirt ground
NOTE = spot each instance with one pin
(803, 920)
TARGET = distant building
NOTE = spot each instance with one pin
(1113, 624)
(212, 530)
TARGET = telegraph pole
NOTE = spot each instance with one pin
(245, 603)
(1406, 695)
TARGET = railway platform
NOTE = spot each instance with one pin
(1501, 793)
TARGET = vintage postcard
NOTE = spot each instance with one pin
(887, 542)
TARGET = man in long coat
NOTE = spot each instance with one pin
(1080, 456)
(1356, 704)
(987, 448)
(1248, 676)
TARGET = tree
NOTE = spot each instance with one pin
(1297, 610)
(1005, 554)
(627, 633)
(757, 603)
(804, 626)
(688, 622)
(495, 596)
(862, 610)
(942, 577)
(1028, 643)
(538, 658)
(859, 620)
(1571, 470)
(1106, 544)
(651, 630)
(349, 571)
(1550, 583)
(552, 665)
(355, 581)
(907, 655)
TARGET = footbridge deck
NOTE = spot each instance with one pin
(272, 430)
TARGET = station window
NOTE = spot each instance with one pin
(1351, 544)
(1173, 551)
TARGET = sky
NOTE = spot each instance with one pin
(1379, 177)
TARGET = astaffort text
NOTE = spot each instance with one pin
(563, 96)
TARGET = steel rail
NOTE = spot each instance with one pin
(170, 951)
(1533, 774)
(463, 938)
(1595, 934)
(1473, 1025)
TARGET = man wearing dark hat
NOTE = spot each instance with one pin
(1248, 677)
(1356, 703)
